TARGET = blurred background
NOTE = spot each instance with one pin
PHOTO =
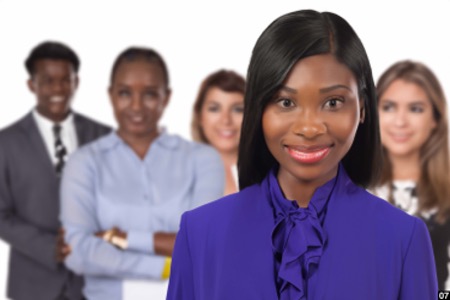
(195, 38)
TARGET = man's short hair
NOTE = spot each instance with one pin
(51, 50)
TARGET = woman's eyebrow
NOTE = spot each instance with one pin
(121, 85)
(209, 102)
(417, 102)
(288, 89)
(389, 101)
(334, 87)
(322, 90)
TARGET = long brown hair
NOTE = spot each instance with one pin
(433, 188)
(227, 81)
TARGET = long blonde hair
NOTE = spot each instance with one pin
(433, 188)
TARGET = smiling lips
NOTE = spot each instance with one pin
(135, 119)
(226, 133)
(400, 138)
(308, 155)
(57, 99)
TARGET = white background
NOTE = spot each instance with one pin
(195, 38)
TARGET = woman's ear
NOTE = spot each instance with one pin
(168, 95)
(110, 94)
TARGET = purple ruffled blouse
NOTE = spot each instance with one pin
(257, 245)
(298, 238)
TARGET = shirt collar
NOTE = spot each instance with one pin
(48, 124)
(164, 140)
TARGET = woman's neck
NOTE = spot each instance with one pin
(229, 161)
(405, 167)
(229, 158)
(302, 190)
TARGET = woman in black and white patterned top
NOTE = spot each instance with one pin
(416, 169)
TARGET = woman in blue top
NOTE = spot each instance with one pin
(122, 195)
(303, 226)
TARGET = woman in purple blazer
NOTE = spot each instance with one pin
(303, 226)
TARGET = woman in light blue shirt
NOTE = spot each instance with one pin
(122, 196)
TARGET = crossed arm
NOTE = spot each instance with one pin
(146, 252)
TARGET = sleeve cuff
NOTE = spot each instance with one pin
(140, 241)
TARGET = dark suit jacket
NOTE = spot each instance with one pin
(29, 209)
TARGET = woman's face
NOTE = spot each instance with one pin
(311, 122)
(406, 118)
(139, 95)
(221, 119)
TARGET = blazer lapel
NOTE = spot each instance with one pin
(80, 128)
(37, 142)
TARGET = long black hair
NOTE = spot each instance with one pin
(283, 43)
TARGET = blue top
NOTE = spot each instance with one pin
(348, 244)
(105, 184)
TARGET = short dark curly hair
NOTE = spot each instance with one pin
(51, 50)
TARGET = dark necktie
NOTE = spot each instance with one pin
(60, 149)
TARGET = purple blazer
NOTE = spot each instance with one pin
(370, 250)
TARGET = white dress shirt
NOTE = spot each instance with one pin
(68, 134)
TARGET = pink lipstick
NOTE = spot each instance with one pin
(308, 155)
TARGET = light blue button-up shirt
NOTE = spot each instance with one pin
(105, 184)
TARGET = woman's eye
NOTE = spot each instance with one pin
(387, 107)
(285, 103)
(151, 94)
(334, 103)
(238, 109)
(213, 108)
(416, 109)
(123, 93)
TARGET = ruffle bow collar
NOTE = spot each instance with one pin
(298, 239)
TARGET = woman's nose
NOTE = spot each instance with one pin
(226, 117)
(401, 118)
(136, 103)
(309, 125)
